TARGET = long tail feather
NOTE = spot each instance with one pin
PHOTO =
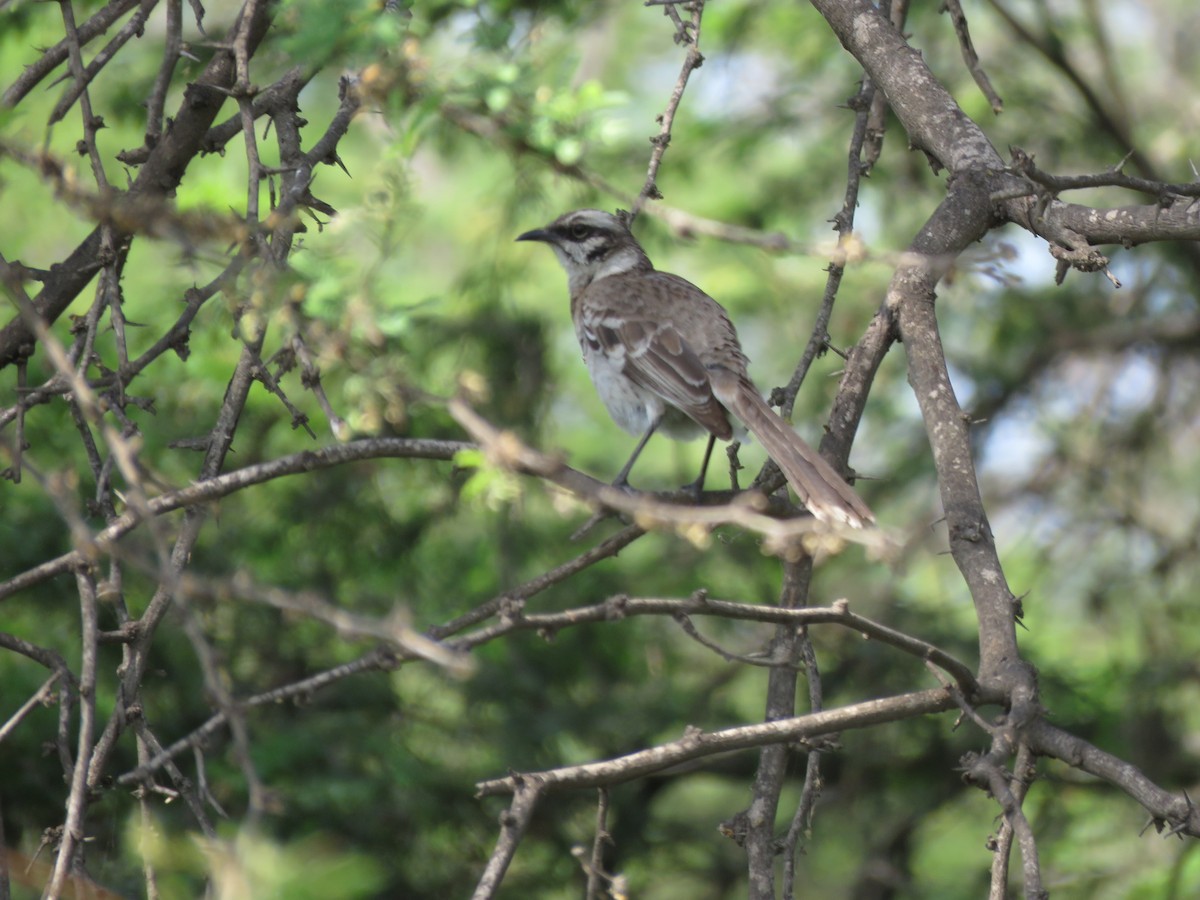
(820, 488)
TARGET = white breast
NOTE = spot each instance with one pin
(632, 407)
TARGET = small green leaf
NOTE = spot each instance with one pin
(498, 98)
(569, 151)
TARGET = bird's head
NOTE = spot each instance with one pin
(591, 244)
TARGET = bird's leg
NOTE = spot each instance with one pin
(622, 480)
(735, 464)
(697, 486)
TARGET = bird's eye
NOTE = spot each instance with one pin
(579, 231)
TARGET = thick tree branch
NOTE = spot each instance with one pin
(1172, 813)
(924, 107)
(962, 218)
(937, 125)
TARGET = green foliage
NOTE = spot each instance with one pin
(248, 866)
(350, 33)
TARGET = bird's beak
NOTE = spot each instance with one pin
(538, 234)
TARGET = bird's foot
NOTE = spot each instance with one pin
(694, 489)
(621, 483)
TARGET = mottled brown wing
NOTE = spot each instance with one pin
(656, 358)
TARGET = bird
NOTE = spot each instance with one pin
(664, 356)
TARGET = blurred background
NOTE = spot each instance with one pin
(487, 119)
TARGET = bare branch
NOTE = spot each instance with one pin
(984, 771)
(513, 822)
(148, 747)
(698, 744)
(1114, 177)
(1174, 813)
(970, 57)
(39, 698)
(393, 629)
(1116, 125)
(54, 57)
(802, 818)
(84, 76)
(70, 848)
(863, 103)
(595, 867)
(160, 175)
(689, 34)
(788, 538)
(516, 597)
(620, 607)
(172, 50)
(1023, 773)
(787, 649)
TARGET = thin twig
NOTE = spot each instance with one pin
(172, 49)
(620, 607)
(375, 660)
(393, 629)
(844, 225)
(90, 123)
(1023, 771)
(595, 872)
(1114, 177)
(970, 57)
(52, 58)
(516, 597)
(689, 34)
(811, 792)
(222, 485)
(77, 799)
(149, 748)
(215, 684)
(133, 28)
(38, 699)
(762, 661)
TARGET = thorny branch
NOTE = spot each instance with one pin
(688, 34)
(98, 397)
(977, 177)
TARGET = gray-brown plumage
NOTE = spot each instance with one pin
(664, 355)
